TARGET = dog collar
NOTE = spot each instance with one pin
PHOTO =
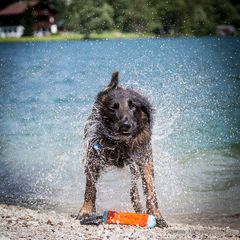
(97, 147)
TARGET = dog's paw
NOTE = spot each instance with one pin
(87, 210)
(85, 213)
(161, 223)
(80, 216)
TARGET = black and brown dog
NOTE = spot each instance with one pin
(118, 133)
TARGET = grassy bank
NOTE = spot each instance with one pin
(76, 36)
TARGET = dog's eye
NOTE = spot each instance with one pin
(114, 107)
(131, 104)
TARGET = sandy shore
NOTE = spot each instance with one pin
(23, 223)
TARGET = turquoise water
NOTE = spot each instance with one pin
(47, 90)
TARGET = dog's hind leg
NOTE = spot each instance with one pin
(89, 207)
(134, 194)
(147, 174)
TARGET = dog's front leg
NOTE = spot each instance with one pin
(89, 207)
(147, 174)
(134, 194)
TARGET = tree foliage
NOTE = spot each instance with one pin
(89, 16)
(196, 17)
(28, 22)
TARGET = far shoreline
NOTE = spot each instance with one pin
(70, 36)
(114, 35)
(100, 37)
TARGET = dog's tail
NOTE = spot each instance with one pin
(114, 82)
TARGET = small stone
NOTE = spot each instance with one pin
(231, 232)
(49, 222)
(4, 238)
(33, 223)
(28, 218)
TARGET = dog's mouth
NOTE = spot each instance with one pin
(122, 131)
(126, 133)
(126, 130)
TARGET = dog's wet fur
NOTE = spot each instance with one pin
(118, 133)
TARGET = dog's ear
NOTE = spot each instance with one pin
(102, 96)
(114, 82)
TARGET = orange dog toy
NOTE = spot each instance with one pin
(126, 218)
(129, 218)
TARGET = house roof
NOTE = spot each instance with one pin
(18, 7)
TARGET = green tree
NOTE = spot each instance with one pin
(198, 17)
(227, 13)
(135, 18)
(90, 16)
(171, 15)
(201, 24)
(120, 8)
(28, 22)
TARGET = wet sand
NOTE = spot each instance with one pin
(23, 223)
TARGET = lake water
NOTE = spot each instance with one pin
(46, 94)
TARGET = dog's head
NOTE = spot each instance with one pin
(125, 113)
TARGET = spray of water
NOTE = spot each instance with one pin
(193, 85)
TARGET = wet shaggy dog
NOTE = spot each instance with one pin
(118, 133)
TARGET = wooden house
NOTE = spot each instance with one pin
(12, 18)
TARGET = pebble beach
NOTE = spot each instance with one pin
(23, 223)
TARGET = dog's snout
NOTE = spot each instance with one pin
(126, 126)
(125, 122)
